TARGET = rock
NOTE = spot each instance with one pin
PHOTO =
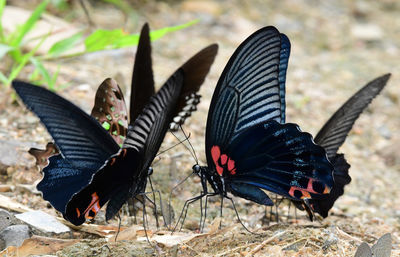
(43, 222)
(14, 235)
(368, 32)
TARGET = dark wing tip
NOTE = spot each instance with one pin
(145, 29)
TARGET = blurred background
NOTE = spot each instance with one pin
(337, 47)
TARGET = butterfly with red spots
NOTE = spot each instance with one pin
(93, 169)
(249, 147)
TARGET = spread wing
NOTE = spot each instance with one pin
(250, 90)
(78, 136)
(84, 144)
(195, 71)
(334, 132)
(142, 86)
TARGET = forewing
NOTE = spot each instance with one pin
(79, 137)
(142, 86)
(110, 110)
(283, 65)
(383, 248)
(251, 87)
(363, 250)
(148, 130)
(334, 132)
(195, 71)
(276, 157)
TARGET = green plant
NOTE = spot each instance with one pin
(12, 46)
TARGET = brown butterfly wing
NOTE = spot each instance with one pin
(110, 110)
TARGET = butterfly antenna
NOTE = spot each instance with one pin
(169, 148)
(194, 152)
(187, 148)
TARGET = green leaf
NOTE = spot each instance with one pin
(3, 79)
(65, 44)
(102, 39)
(25, 58)
(2, 4)
(156, 34)
(4, 49)
(112, 39)
(28, 25)
(42, 70)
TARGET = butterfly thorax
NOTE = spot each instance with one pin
(211, 176)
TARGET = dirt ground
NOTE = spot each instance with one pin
(337, 47)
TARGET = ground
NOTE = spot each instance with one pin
(337, 47)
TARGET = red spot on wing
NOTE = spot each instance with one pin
(216, 154)
(306, 191)
(123, 152)
(224, 158)
(310, 186)
(94, 206)
(222, 162)
(231, 165)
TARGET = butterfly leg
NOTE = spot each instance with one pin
(154, 199)
(205, 210)
(185, 210)
(237, 215)
(220, 211)
(145, 219)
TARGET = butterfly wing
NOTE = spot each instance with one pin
(110, 110)
(249, 89)
(245, 142)
(83, 143)
(334, 133)
(195, 71)
(275, 157)
(132, 162)
(142, 86)
(363, 250)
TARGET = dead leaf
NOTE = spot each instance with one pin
(177, 238)
(127, 234)
(38, 245)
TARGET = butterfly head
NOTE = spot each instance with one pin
(196, 169)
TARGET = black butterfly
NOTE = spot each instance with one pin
(248, 148)
(92, 169)
(333, 134)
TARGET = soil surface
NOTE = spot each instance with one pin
(337, 47)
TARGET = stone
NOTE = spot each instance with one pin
(14, 235)
(43, 222)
